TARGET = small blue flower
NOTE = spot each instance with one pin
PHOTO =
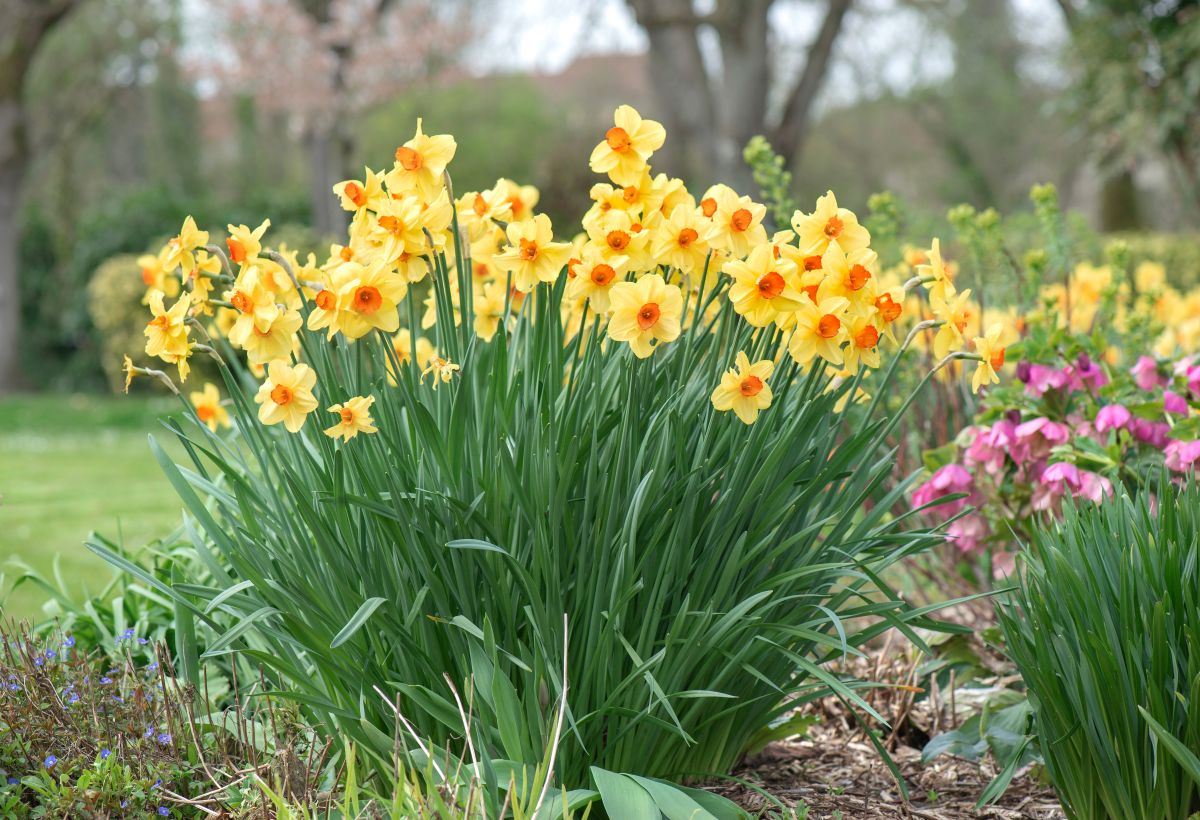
(163, 811)
(124, 803)
(150, 667)
(105, 681)
(50, 761)
(126, 635)
(149, 732)
(73, 699)
(12, 781)
(164, 738)
(38, 661)
(68, 641)
(143, 641)
(157, 783)
(51, 654)
(104, 753)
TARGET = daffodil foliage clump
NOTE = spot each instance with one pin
(607, 497)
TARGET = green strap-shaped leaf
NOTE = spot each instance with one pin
(356, 621)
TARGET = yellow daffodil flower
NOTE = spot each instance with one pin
(744, 389)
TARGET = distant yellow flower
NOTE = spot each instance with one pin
(954, 310)
(819, 331)
(744, 389)
(354, 417)
(489, 309)
(286, 396)
(207, 403)
(402, 343)
(828, 224)
(763, 287)
(420, 163)
(736, 221)
(532, 255)
(644, 313)
(156, 276)
(940, 276)
(627, 146)
(991, 357)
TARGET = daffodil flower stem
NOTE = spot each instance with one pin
(216, 251)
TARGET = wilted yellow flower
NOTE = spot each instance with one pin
(442, 370)
(354, 417)
(286, 396)
(744, 389)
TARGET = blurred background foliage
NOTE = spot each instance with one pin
(120, 117)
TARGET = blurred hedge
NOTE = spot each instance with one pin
(61, 348)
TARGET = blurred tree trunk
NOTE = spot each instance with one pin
(711, 115)
(1119, 206)
(25, 24)
(330, 146)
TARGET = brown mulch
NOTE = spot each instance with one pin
(836, 772)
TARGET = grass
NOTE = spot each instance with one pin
(70, 465)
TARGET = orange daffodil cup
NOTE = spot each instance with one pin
(652, 264)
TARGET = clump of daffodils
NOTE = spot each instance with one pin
(653, 262)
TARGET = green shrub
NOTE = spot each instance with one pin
(1105, 629)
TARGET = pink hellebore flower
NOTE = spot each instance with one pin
(1043, 378)
(990, 446)
(949, 480)
(1193, 380)
(1181, 456)
(1036, 437)
(1113, 417)
(967, 533)
(1174, 403)
(1094, 486)
(1149, 432)
(1146, 374)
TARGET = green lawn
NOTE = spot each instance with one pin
(70, 465)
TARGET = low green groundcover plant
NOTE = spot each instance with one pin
(533, 535)
(1105, 630)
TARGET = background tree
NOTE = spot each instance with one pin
(24, 26)
(330, 60)
(711, 107)
(1137, 88)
